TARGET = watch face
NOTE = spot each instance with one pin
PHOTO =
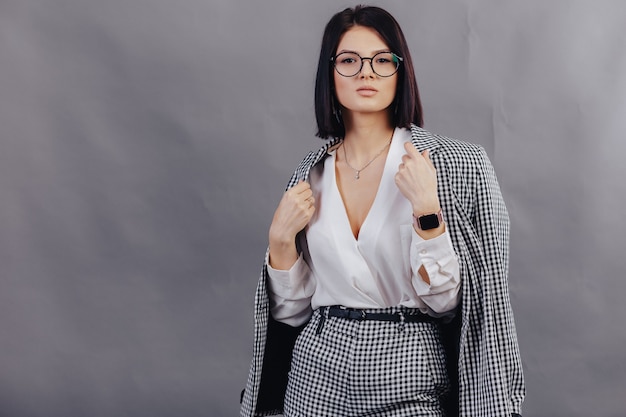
(429, 221)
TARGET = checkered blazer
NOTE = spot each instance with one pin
(488, 371)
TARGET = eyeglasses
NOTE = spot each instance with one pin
(349, 64)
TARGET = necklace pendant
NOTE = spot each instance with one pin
(357, 176)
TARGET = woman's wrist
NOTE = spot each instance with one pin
(425, 206)
(282, 254)
(428, 223)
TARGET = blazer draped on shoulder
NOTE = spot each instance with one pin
(481, 343)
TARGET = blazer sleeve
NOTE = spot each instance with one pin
(492, 226)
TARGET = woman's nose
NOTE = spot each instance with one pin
(367, 70)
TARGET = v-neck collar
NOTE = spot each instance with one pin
(383, 193)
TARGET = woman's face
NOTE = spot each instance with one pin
(366, 92)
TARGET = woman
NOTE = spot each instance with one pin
(388, 255)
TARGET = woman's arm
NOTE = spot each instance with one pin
(293, 213)
(290, 293)
(435, 258)
(290, 289)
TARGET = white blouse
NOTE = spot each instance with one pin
(376, 270)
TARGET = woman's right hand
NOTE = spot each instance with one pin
(293, 213)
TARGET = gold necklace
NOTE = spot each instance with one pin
(358, 171)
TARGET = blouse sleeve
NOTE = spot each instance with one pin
(442, 266)
(290, 292)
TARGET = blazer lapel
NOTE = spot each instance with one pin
(313, 158)
(423, 140)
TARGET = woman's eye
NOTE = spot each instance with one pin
(348, 61)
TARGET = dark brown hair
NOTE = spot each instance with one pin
(406, 105)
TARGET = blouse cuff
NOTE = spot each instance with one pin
(439, 259)
(290, 284)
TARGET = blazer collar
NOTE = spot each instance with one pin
(423, 139)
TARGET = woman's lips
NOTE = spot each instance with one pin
(366, 91)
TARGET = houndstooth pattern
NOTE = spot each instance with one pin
(343, 367)
(491, 382)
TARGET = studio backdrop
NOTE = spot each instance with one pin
(144, 145)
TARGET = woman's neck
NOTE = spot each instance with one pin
(367, 134)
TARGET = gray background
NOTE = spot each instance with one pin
(145, 144)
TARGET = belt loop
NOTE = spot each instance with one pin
(402, 321)
(363, 315)
(320, 323)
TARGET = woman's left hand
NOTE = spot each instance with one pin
(417, 181)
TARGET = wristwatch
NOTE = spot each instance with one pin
(428, 221)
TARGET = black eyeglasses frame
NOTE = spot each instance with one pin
(333, 59)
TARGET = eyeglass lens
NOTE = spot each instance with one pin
(349, 64)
